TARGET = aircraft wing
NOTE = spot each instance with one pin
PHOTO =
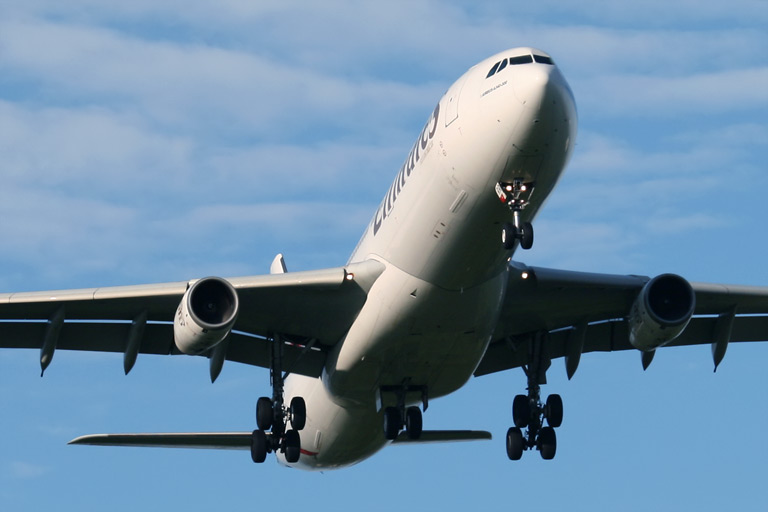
(581, 312)
(312, 310)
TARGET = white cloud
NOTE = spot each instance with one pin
(27, 470)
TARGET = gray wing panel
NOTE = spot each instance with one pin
(310, 308)
(88, 336)
(714, 299)
(549, 299)
(157, 339)
(553, 303)
(612, 336)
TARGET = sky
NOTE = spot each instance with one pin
(154, 141)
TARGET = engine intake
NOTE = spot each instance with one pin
(205, 315)
(661, 312)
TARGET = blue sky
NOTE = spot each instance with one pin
(154, 141)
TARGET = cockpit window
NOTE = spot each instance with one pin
(493, 70)
(522, 59)
(519, 59)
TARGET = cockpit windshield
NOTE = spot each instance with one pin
(518, 60)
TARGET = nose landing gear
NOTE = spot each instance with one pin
(516, 195)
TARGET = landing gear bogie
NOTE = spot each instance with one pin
(397, 417)
(272, 415)
(528, 411)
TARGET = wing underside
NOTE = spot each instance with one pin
(577, 312)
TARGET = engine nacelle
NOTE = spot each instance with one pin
(205, 316)
(661, 312)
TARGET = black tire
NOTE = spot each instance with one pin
(521, 411)
(515, 443)
(547, 443)
(259, 446)
(392, 422)
(526, 236)
(554, 411)
(264, 413)
(298, 413)
(508, 235)
(292, 446)
(413, 422)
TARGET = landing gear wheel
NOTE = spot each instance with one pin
(508, 235)
(515, 443)
(264, 413)
(413, 422)
(298, 412)
(292, 446)
(521, 411)
(554, 410)
(526, 236)
(259, 446)
(547, 443)
(392, 422)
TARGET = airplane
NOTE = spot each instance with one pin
(430, 297)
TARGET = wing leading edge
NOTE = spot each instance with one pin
(580, 312)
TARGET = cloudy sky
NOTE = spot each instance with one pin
(153, 141)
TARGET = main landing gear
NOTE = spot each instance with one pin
(528, 411)
(398, 417)
(516, 195)
(272, 414)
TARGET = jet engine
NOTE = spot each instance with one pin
(205, 315)
(661, 312)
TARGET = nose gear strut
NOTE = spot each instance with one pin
(516, 195)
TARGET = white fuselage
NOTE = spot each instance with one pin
(431, 315)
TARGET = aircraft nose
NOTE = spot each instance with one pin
(532, 84)
(549, 113)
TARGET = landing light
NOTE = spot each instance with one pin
(350, 276)
(524, 275)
